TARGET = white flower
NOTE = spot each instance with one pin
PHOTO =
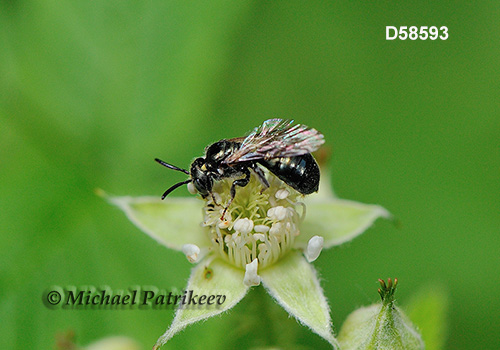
(259, 240)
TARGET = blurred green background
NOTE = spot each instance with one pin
(91, 92)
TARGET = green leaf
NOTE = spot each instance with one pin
(172, 223)
(428, 310)
(293, 283)
(208, 278)
(337, 220)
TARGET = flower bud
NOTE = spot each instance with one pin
(381, 326)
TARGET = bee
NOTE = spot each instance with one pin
(279, 146)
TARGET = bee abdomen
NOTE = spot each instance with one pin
(301, 172)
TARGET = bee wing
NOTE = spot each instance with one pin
(277, 138)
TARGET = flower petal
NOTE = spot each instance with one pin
(208, 278)
(293, 283)
(337, 221)
(173, 222)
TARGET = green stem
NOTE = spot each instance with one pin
(261, 323)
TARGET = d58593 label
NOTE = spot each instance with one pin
(416, 33)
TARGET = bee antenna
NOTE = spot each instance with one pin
(170, 166)
(167, 192)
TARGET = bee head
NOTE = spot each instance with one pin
(201, 177)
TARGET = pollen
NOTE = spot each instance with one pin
(260, 224)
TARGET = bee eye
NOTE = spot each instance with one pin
(203, 184)
(198, 184)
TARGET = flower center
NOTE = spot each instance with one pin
(260, 223)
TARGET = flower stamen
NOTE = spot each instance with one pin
(260, 224)
(314, 248)
(251, 277)
(192, 252)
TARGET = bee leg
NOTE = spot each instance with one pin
(240, 182)
(261, 176)
(215, 201)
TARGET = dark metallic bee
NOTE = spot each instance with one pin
(284, 149)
